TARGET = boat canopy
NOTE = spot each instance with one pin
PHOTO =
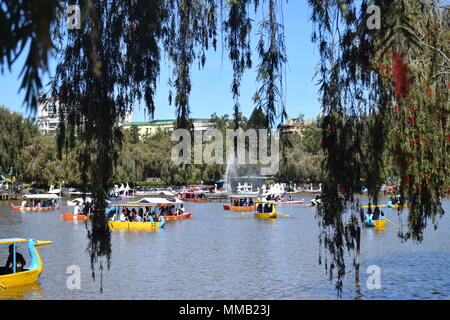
(161, 194)
(42, 196)
(160, 201)
(242, 196)
(12, 240)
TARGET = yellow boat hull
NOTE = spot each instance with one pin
(266, 216)
(24, 277)
(20, 278)
(397, 206)
(379, 224)
(134, 226)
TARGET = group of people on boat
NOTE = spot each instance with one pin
(244, 202)
(372, 215)
(191, 195)
(264, 207)
(279, 198)
(39, 204)
(87, 209)
(147, 215)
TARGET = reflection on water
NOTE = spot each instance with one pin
(226, 255)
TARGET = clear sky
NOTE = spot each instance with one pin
(211, 85)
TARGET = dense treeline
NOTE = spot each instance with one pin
(33, 157)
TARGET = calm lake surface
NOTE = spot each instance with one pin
(225, 255)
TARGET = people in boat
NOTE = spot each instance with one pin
(181, 210)
(244, 203)
(155, 213)
(123, 216)
(251, 203)
(76, 210)
(137, 216)
(20, 261)
(24, 204)
(147, 214)
(290, 198)
(132, 215)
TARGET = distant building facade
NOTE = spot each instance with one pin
(295, 126)
(48, 115)
(152, 127)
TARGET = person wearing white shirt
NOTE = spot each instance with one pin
(122, 217)
(76, 209)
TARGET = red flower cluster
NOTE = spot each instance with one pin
(401, 76)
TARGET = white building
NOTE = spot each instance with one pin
(48, 115)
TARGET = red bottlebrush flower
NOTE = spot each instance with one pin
(412, 143)
(413, 109)
(396, 108)
(133, 26)
(448, 138)
(406, 120)
(389, 52)
(413, 121)
(426, 178)
(401, 76)
(406, 179)
(430, 93)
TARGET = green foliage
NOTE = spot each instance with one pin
(385, 101)
(16, 133)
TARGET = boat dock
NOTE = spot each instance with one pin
(9, 196)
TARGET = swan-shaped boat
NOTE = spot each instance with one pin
(30, 274)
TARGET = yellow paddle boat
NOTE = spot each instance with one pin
(141, 219)
(18, 275)
(266, 210)
(375, 220)
(396, 202)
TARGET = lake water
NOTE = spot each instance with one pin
(225, 255)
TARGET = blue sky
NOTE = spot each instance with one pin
(211, 85)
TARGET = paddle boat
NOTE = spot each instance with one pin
(13, 277)
(38, 202)
(396, 203)
(166, 203)
(378, 223)
(291, 202)
(75, 217)
(266, 210)
(145, 224)
(193, 195)
(236, 200)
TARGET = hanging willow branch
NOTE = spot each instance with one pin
(384, 94)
